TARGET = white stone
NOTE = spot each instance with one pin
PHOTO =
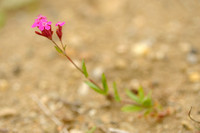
(141, 48)
(97, 72)
(75, 131)
(83, 89)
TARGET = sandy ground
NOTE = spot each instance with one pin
(155, 44)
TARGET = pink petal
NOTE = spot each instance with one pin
(41, 17)
(47, 27)
(41, 28)
(49, 23)
(57, 23)
(43, 20)
(34, 25)
(60, 23)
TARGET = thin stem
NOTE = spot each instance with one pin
(62, 45)
(65, 54)
(55, 43)
(72, 62)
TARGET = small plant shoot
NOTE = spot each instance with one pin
(142, 102)
(116, 94)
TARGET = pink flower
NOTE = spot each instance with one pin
(38, 20)
(36, 23)
(44, 24)
(60, 23)
(41, 17)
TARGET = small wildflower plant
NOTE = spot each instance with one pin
(143, 103)
(138, 102)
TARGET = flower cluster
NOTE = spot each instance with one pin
(45, 27)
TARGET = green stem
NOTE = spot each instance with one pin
(76, 66)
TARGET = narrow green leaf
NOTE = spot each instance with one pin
(131, 108)
(147, 101)
(104, 83)
(117, 97)
(58, 49)
(94, 87)
(84, 68)
(92, 129)
(133, 96)
(141, 93)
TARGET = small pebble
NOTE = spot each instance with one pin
(141, 49)
(192, 58)
(154, 83)
(121, 64)
(97, 72)
(81, 110)
(17, 70)
(114, 130)
(194, 77)
(134, 84)
(75, 131)
(186, 125)
(92, 112)
(83, 89)
(45, 99)
(3, 85)
(193, 50)
(7, 112)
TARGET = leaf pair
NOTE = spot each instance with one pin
(103, 91)
(142, 102)
(92, 85)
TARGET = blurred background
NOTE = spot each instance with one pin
(139, 42)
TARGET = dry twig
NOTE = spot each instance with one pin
(189, 114)
(49, 114)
